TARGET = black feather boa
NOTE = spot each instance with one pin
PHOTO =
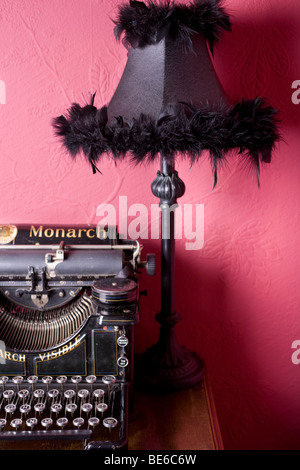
(145, 25)
(250, 127)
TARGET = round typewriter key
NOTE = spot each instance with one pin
(17, 380)
(102, 407)
(33, 379)
(47, 380)
(39, 393)
(24, 409)
(39, 408)
(69, 394)
(16, 423)
(3, 381)
(93, 422)
(46, 422)
(2, 424)
(83, 394)
(8, 395)
(71, 408)
(56, 408)
(110, 423)
(10, 409)
(61, 379)
(91, 379)
(62, 422)
(78, 422)
(109, 379)
(31, 423)
(98, 394)
(86, 408)
(76, 379)
(23, 394)
(53, 393)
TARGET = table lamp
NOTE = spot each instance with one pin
(169, 104)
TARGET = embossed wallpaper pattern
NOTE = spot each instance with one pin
(239, 295)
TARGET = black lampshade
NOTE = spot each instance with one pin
(169, 100)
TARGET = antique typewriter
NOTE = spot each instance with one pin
(68, 306)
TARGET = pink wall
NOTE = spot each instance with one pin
(239, 295)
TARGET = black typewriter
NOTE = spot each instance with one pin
(68, 306)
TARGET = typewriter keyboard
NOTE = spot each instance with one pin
(78, 408)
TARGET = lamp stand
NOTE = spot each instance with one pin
(168, 365)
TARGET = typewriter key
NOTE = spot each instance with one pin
(102, 407)
(62, 422)
(24, 409)
(3, 381)
(83, 394)
(78, 422)
(2, 424)
(23, 394)
(61, 379)
(46, 422)
(16, 423)
(56, 408)
(76, 379)
(31, 423)
(53, 393)
(39, 393)
(8, 395)
(33, 379)
(86, 408)
(110, 423)
(47, 380)
(91, 379)
(69, 394)
(98, 394)
(39, 408)
(71, 408)
(17, 380)
(10, 409)
(93, 422)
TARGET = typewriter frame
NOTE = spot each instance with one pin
(95, 349)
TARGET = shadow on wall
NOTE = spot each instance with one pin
(261, 58)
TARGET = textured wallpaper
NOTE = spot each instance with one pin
(238, 290)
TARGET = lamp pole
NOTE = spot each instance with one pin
(168, 365)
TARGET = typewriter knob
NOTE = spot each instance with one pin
(151, 264)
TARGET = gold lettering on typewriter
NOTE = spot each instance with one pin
(55, 353)
(14, 357)
(59, 233)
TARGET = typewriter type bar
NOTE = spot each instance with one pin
(67, 314)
